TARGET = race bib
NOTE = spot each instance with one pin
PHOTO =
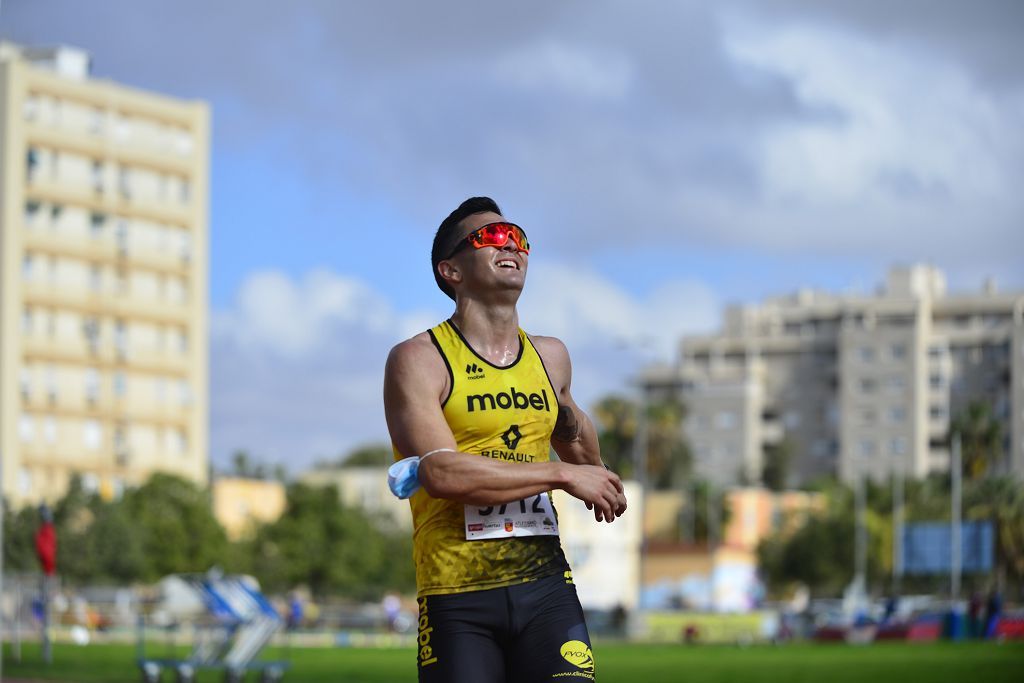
(533, 516)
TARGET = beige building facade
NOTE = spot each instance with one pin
(242, 504)
(103, 279)
(853, 385)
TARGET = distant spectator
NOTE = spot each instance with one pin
(993, 608)
(974, 629)
(294, 612)
(392, 608)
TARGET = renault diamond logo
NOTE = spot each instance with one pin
(511, 437)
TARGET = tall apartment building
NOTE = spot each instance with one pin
(103, 279)
(856, 385)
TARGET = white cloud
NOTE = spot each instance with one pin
(567, 69)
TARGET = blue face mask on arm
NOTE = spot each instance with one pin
(403, 476)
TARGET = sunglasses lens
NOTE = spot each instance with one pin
(497, 235)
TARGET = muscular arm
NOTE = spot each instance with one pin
(415, 382)
(574, 438)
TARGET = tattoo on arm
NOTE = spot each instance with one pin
(567, 427)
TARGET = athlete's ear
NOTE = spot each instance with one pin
(449, 271)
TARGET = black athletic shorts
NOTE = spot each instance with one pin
(529, 632)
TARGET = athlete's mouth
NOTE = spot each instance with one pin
(508, 263)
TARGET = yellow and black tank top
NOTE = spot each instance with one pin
(506, 413)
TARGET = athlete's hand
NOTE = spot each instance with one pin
(599, 488)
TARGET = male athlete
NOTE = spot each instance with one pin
(481, 402)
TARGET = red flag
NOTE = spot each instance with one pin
(46, 548)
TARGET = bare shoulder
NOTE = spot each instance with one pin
(416, 355)
(551, 349)
(555, 356)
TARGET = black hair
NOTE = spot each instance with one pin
(447, 235)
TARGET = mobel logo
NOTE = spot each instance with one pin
(506, 400)
(474, 371)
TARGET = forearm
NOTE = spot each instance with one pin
(478, 480)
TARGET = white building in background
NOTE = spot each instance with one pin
(605, 558)
(103, 279)
(857, 385)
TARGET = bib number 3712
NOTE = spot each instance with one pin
(533, 516)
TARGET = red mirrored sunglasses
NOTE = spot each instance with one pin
(494, 235)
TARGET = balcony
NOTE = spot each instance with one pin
(104, 251)
(93, 303)
(84, 195)
(105, 148)
(105, 357)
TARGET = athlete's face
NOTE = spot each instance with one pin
(501, 268)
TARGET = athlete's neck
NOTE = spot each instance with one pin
(492, 331)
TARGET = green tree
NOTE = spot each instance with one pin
(330, 548)
(981, 436)
(19, 538)
(778, 460)
(373, 455)
(615, 418)
(176, 526)
(668, 453)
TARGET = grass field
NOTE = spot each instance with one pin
(616, 663)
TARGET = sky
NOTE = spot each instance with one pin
(666, 159)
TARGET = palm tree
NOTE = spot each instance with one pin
(981, 436)
(616, 429)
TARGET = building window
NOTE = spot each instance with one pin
(50, 430)
(120, 384)
(723, 420)
(896, 383)
(866, 447)
(26, 321)
(897, 414)
(26, 384)
(97, 176)
(56, 211)
(31, 163)
(120, 339)
(937, 412)
(184, 393)
(92, 435)
(898, 445)
(26, 428)
(791, 419)
(124, 182)
(935, 381)
(868, 416)
(121, 236)
(95, 278)
(92, 385)
(51, 383)
(24, 481)
(32, 209)
(867, 354)
(868, 385)
(27, 267)
(898, 351)
(96, 222)
(935, 352)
